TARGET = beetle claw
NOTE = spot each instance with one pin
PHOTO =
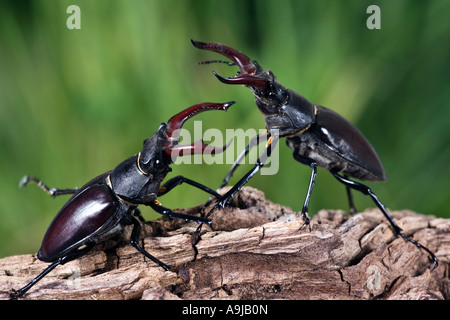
(306, 221)
(24, 181)
(14, 294)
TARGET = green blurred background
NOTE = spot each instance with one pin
(75, 103)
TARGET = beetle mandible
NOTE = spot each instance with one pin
(318, 136)
(101, 208)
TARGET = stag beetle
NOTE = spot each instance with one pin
(101, 208)
(317, 136)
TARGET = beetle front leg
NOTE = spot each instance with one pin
(175, 181)
(259, 164)
(54, 192)
(253, 142)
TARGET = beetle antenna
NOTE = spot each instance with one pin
(217, 61)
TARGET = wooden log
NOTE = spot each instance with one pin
(254, 249)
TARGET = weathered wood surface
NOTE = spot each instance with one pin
(255, 250)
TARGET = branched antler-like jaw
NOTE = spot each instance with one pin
(240, 59)
(161, 149)
(269, 93)
(251, 74)
(172, 131)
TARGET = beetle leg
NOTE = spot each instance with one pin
(137, 213)
(311, 163)
(155, 205)
(15, 294)
(253, 142)
(175, 181)
(134, 240)
(398, 231)
(69, 257)
(312, 180)
(352, 207)
(51, 191)
(259, 164)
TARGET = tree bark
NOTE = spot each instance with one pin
(254, 249)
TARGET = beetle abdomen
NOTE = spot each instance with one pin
(348, 142)
(78, 219)
(336, 144)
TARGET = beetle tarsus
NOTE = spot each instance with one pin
(306, 221)
(417, 244)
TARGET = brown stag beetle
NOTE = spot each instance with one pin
(318, 136)
(104, 205)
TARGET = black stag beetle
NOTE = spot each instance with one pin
(318, 136)
(101, 208)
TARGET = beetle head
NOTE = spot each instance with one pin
(270, 95)
(137, 179)
(152, 159)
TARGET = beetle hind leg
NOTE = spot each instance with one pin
(398, 231)
(15, 294)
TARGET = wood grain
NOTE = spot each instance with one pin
(254, 249)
